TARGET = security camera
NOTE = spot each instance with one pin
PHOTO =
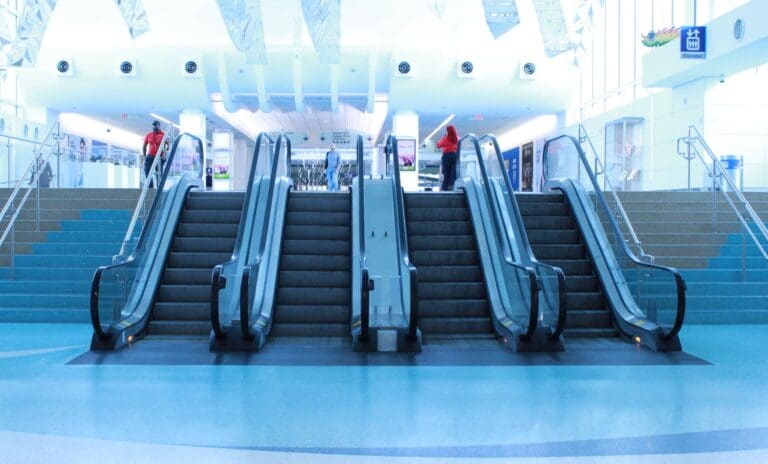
(190, 67)
(404, 67)
(62, 66)
(126, 67)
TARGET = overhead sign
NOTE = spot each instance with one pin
(693, 42)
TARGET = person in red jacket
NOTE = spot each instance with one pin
(449, 144)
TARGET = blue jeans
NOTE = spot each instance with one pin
(333, 179)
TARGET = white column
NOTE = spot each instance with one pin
(405, 125)
(241, 164)
(193, 122)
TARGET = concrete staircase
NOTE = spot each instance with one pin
(677, 229)
(80, 229)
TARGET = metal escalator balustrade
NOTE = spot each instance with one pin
(643, 315)
(122, 294)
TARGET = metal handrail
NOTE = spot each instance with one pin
(365, 311)
(34, 173)
(391, 148)
(218, 282)
(584, 137)
(95, 284)
(140, 203)
(525, 245)
(533, 317)
(718, 172)
(245, 325)
(679, 282)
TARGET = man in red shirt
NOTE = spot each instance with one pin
(153, 141)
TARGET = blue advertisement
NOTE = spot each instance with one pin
(512, 161)
(693, 42)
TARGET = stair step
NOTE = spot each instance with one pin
(184, 293)
(196, 260)
(315, 278)
(310, 330)
(453, 308)
(471, 273)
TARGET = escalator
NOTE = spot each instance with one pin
(313, 288)
(556, 239)
(205, 236)
(452, 297)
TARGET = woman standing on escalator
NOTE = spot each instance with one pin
(449, 145)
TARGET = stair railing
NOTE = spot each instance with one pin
(614, 227)
(584, 139)
(255, 266)
(499, 232)
(29, 182)
(139, 217)
(365, 293)
(697, 147)
(393, 163)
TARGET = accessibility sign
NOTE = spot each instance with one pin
(693, 42)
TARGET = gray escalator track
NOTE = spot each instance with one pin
(205, 236)
(556, 239)
(313, 298)
(452, 298)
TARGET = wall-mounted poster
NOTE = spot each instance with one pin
(512, 162)
(406, 152)
(526, 163)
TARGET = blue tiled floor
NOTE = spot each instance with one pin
(504, 412)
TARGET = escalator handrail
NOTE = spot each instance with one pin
(402, 234)
(679, 282)
(533, 314)
(96, 282)
(245, 324)
(522, 236)
(365, 311)
(217, 282)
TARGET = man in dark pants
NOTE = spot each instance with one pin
(153, 140)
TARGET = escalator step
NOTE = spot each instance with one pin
(555, 237)
(311, 330)
(187, 276)
(576, 283)
(437, 214)
(317, 247)
(313, 295)
(544, 209)
(450, 290)
(435, 200)
(442, 242)
(315, 279)
(583, 300)
(523, 198)
(439, 228)
(337, 203)
(557, 251)
(175, 311)
(453, 325)
(572, 266)
(453, 308)
(317, 232)
(184, 293)
(588, 318)
(450, 273)
(315, 314)
(202, 328)
(206, 230)
(197, 260)
(549, 222)
(211, 216)
(313, 218)
(315, 263)
(445, 258)
(223, 203)
(197, 244)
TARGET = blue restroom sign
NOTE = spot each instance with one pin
(693, 42)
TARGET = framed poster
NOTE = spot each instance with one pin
(406, 152)
(526, 164)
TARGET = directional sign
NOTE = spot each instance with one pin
(693, 42)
